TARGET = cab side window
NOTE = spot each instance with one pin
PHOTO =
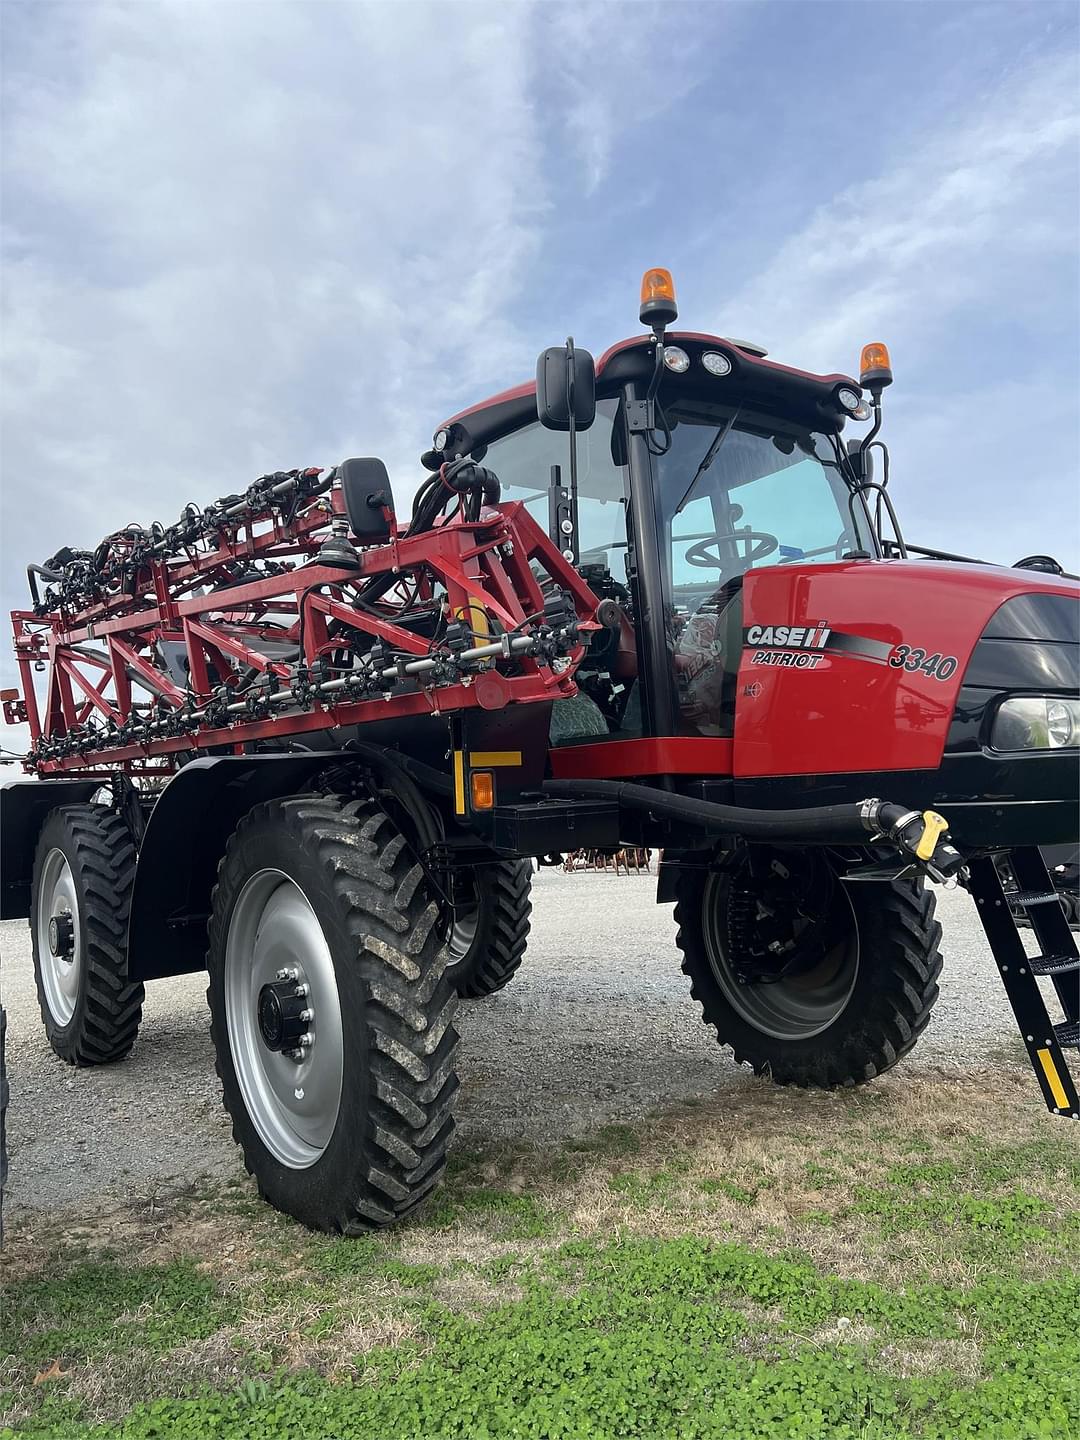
(608, 703)
(523, 462)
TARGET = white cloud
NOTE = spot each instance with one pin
(970, 219)
(616, 68)
(990, 470)
(246, 236)
(964, 259)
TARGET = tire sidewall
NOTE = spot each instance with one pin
(464, 970)
(267, 844)
(484, 969)
(843, 1043)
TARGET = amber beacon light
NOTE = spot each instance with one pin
(658, 307)
(875, 367)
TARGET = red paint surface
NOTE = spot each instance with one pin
(625, 759)
(853, 714)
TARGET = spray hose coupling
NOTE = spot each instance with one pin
(921, 834)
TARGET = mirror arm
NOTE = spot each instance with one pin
(568, 544)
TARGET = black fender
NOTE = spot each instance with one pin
(669, 870)
(24, 804)
(186, 835)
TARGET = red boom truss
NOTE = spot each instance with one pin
(233, 630)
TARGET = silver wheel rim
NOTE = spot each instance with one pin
(797, 1007)
(60, 974)
(463, 932)
(294, 1105)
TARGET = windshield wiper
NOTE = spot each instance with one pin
(706, 460)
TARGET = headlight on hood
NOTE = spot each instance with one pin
(1036, 722)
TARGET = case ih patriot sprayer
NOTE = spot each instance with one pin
(657, 601)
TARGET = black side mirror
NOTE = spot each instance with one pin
(565, 378)
(862, 462)
(369, 501)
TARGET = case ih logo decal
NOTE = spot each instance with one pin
(801, 647)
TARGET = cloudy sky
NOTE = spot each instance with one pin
(250, 235)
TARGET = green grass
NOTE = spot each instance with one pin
(668, 1338)
(85, 1310)
(909, 1277)
(504, 1214)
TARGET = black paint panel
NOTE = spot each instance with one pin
(1041, 666)
(1036, 617)
(990, 801)
(24, 804)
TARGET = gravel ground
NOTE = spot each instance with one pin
(597, 1026)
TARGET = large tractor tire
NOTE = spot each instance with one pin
(331, 1012)
(809, 980)
(84, 869)
(490, 927)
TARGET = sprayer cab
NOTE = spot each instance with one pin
(776, 633)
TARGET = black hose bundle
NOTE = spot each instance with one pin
(861, 823)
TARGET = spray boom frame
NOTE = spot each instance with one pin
(228, 628)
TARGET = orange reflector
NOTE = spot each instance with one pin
(875, 367)
(482, 789)
(9, 694)
(657, 285)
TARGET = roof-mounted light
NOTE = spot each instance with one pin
(676, 359)
(716, 363)
(658, 307)
(850, 399)
(875, 367)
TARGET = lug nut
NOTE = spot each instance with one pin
(288, 974)
(305, 1042)
(306, 1016)
(301, 990)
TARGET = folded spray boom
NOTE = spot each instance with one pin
(297, 606)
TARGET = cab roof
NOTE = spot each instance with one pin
(752, 378)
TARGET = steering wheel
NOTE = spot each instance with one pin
(757, 544)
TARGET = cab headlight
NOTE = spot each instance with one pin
(849, 399)
(1036, 722)
(675, 358)
(716, 364)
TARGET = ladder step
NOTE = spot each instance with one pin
(1053, 964)
(1069, 1033)
(1031, 897)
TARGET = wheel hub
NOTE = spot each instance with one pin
(284, 1014)
(61, 935)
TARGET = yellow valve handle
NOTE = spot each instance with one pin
(933, 825)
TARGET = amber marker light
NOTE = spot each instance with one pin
(482, 789)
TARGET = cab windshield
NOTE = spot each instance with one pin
(735, 492)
